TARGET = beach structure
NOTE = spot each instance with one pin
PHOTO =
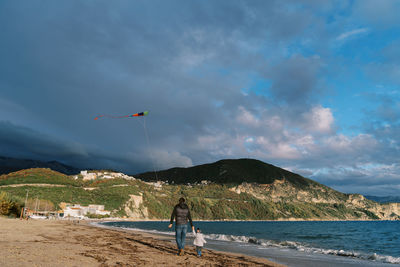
(41, 214)
(73, 212)
(78, 211)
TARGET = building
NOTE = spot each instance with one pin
(73, 212)
(104, 175)
(79, 211)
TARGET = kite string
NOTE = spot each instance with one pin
(148, 146)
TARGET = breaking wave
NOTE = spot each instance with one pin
(103, 225)
(303, 247)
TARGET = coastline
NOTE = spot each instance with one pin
(232, 220)
(291, 253)
(78, 243)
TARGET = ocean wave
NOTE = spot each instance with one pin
(110, 226)
(303, 247)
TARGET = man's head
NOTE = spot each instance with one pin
(181, 200)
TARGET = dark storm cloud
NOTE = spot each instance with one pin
(193, 64)
(17, 141)
(23, 142)
(66, 62)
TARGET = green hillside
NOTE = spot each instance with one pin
(37, 176)
(279, 194)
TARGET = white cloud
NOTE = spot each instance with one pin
(319, 120)
(277, 150)
(221, 144)
(247, 118)
(346, 35)
(351, 147)
(166, 159)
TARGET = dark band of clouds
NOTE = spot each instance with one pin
(221, 79)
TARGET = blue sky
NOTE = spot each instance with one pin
(310, 86)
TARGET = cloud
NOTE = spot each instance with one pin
(188, 63)
(295, 80)
(319, 120)
(280, 150)
(351, 33)
(72, 65)
(247, 118)
(370, 179)
(387, 72)
(383, 13)
(165, 159)
(22, 141)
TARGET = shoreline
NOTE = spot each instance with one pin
(302, 257)
(79, 243)
(197, 220)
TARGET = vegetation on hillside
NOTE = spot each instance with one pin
(229, 171)
(218, 202)
(112, 197)
(280, 199)
(8, 165)
(38, 176)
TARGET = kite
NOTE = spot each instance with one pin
(140, 114)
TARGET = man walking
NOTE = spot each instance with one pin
(181, 214)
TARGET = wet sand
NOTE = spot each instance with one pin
(65, 243)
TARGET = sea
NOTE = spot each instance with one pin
(295, 243)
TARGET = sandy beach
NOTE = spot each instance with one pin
(65, 243)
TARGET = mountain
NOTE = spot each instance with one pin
(385, 199)
(242, 189)
(286, 194)
(228, 171)
(8, 165)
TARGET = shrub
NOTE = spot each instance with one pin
(97, 216)
(10, 206)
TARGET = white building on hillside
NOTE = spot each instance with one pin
(104, 175)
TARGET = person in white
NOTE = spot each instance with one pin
(199, 241)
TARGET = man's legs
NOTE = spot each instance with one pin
(183, 236)
(178, 235)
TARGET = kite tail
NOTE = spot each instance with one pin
(140, 114)
(110, 116)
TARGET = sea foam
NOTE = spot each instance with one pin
(303, 247)
(264, 243)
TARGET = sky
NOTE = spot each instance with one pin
(310, 86)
